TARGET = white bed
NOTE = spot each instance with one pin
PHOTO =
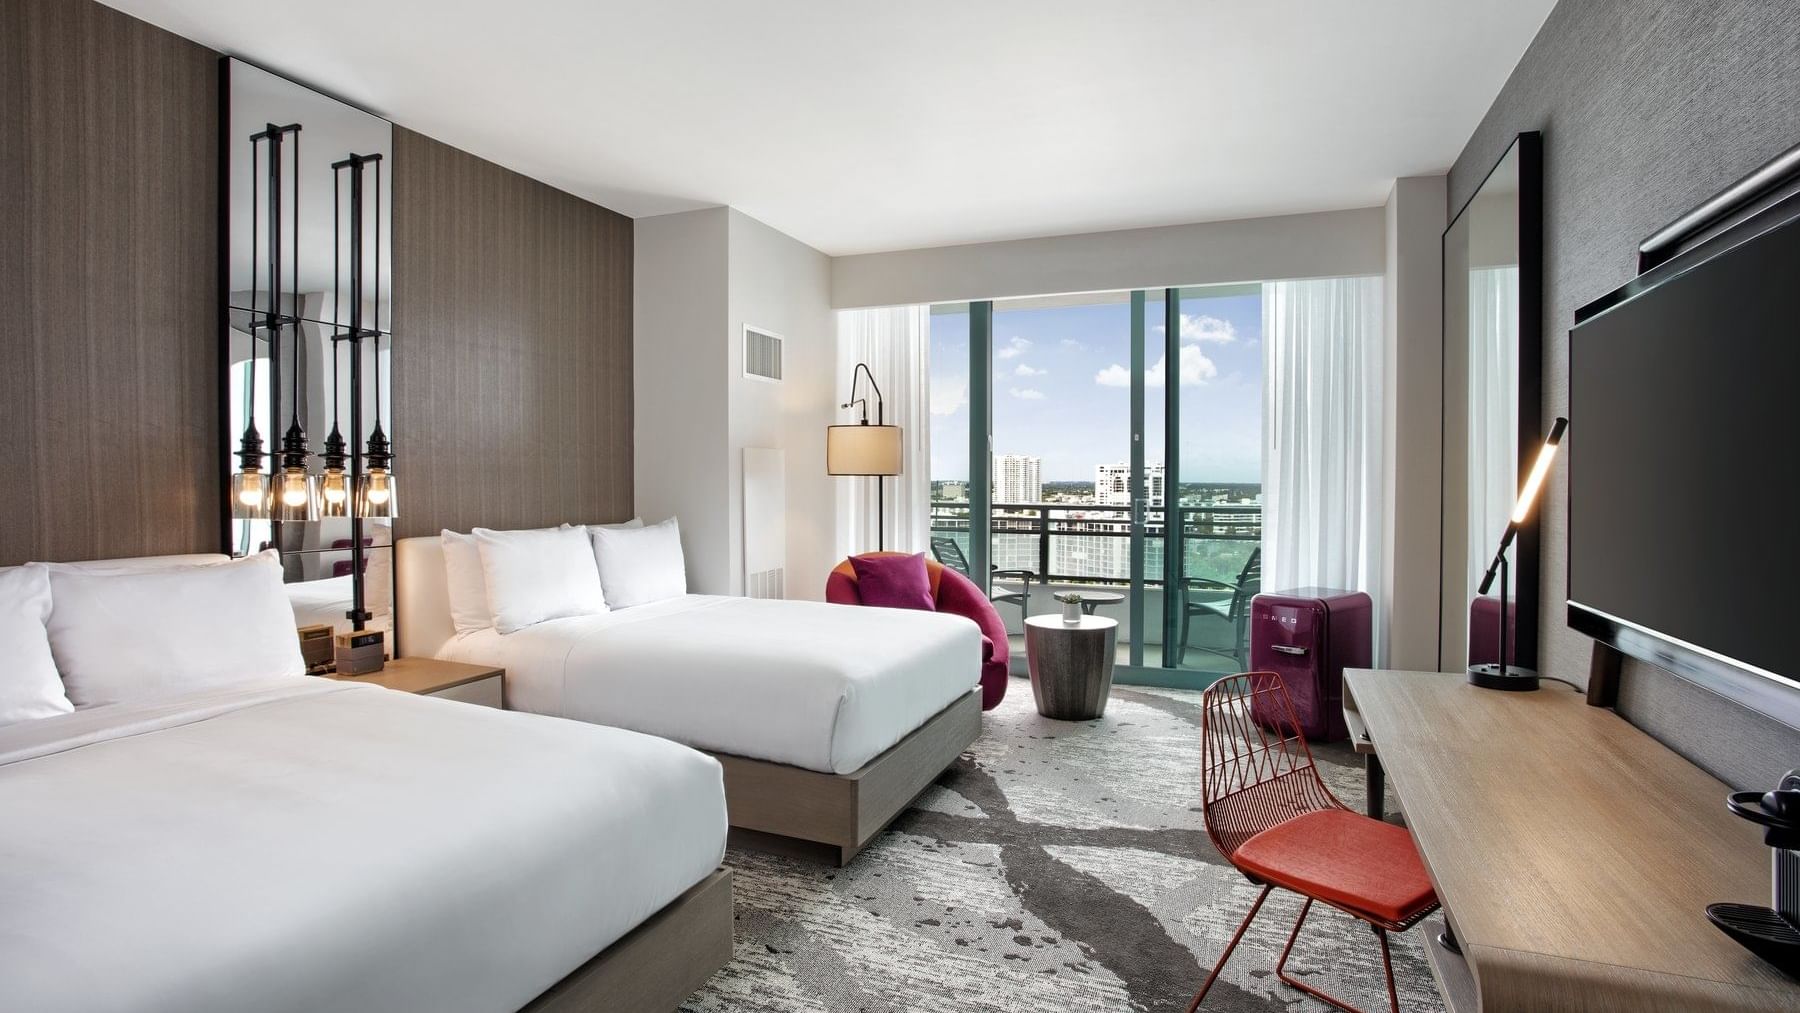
(322, 602)
(828, 719)
(824, 687)
(313, 845)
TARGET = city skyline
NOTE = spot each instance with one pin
(1061, 388)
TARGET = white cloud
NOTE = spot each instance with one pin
(1023, 369)
(1013, 348)
(1196, 369)
(1027, 394)
(1072, 344)
(1200, 327)
(948, 394)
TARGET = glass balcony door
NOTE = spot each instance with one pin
(1213, 539)
(1113, 450)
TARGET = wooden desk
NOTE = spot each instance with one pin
(1574, 854)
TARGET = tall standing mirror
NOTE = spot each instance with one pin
(1493, 311)
(307, 349)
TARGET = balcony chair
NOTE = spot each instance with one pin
(953, 593)
(948, 552)
(1271, 816)
(1203, 596)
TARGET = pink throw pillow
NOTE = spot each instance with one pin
(898, 582)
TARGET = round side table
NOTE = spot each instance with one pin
(1071, 665)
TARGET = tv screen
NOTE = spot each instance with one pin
(1684, 447)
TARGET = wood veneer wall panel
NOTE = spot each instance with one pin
(108, 286)
(512, 375)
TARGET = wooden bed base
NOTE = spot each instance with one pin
(657, 965)
(793, 811)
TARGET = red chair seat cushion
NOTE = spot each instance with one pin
(1344, 858)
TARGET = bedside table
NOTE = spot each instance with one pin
(482, 685)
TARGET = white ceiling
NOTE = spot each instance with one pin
(858, 126)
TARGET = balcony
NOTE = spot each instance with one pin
(1072, 546)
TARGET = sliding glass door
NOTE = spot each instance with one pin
(1112, 451)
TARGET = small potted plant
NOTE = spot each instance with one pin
(1071, 603)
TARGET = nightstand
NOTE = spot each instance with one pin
(482, 685)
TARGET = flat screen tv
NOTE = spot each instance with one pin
(1684, 469)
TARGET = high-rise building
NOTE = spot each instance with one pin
(1112, 484)
(1018, 479)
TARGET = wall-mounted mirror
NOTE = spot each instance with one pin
(306, 341)
(1493, 311)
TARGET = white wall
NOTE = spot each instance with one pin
(702, 275)
(1411, 420)
(1322, 245)
(780, 284)
(699, 277)
(680, 407)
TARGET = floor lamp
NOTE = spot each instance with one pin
(866, 450)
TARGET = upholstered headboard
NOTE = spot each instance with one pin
(136, 564)
(422, 604)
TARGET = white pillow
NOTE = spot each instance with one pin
(122, 637)
(466, 583)
(635, 522)
(640, 565)
(29, 685)
(534, 576)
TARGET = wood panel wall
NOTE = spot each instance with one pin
(512, 379)
(109, 372)
(512, 365)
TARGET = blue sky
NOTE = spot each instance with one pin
(1062, 388)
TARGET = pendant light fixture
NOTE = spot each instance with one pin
(375, 480)
(296, 489)
(334, 485)
(375, 487)
(250, 490)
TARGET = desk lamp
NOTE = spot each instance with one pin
(1501, 675)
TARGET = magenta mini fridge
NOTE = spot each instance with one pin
(1308, 637)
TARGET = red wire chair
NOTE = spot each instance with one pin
(1271, 816)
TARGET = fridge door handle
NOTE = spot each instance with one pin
(1287, 649)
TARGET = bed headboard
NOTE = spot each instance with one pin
(422, 605)
(137, 564)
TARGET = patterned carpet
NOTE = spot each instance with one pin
(1058, 866)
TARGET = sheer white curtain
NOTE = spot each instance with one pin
(1493, 410)
(896, 343)
(1322, 443)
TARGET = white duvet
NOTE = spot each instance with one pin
(825, 687)
(313, 845)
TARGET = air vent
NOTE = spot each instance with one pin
(766, 583)
(762, 354)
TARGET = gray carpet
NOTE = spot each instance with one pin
(1058, 866)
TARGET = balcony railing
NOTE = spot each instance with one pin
(1078, 543)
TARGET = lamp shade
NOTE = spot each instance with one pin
(862, 450)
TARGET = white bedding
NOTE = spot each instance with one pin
(825, 687)
(313, 845)
(322, 602)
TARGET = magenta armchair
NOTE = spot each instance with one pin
(957, 595)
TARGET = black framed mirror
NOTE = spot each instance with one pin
(1492, 407)
(306, 350)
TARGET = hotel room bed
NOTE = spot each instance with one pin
(828, 719)
(823, 687)
(322, 602)
(310, 845)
